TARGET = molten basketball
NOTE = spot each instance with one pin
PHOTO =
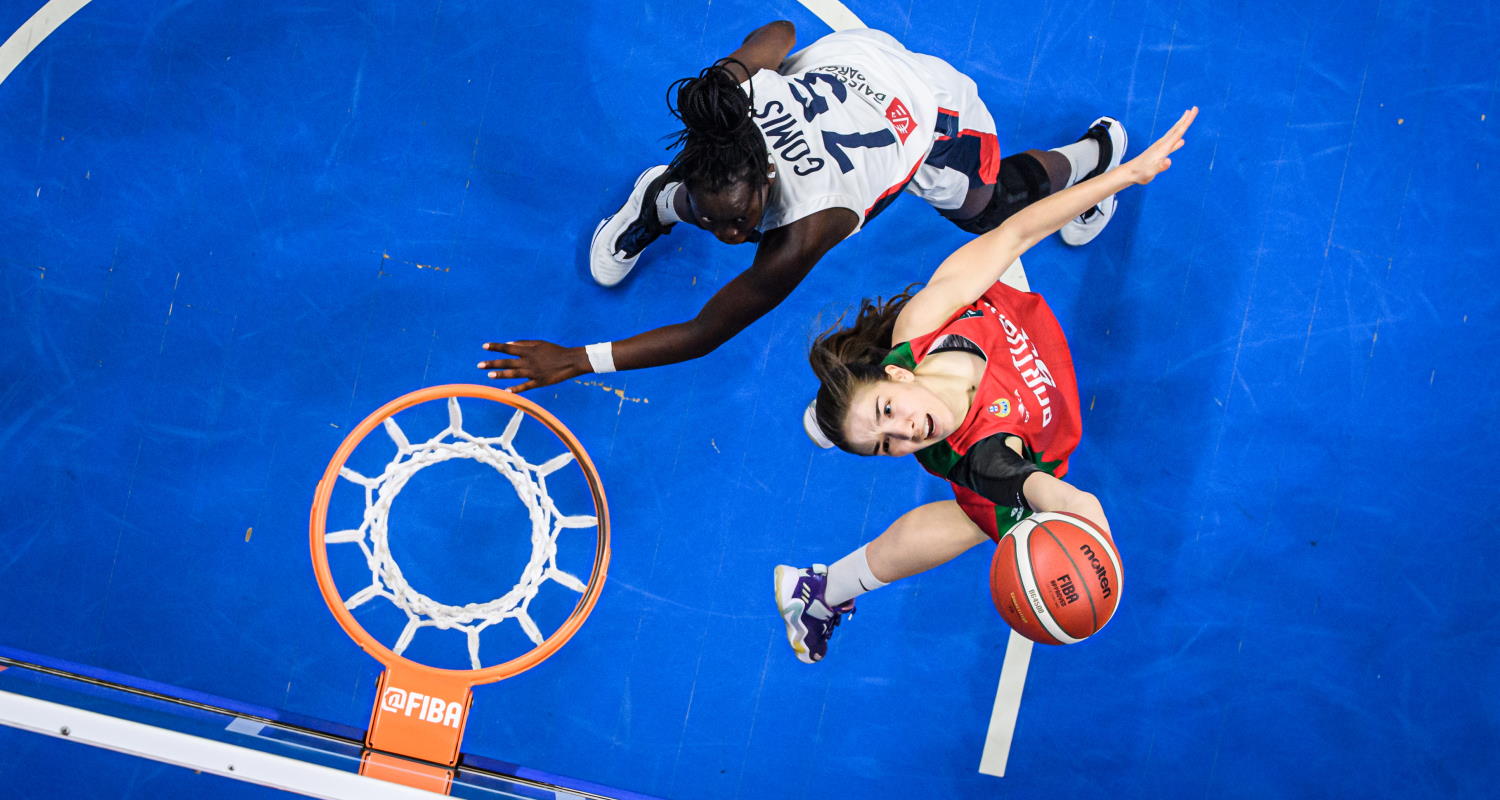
(1056, 578)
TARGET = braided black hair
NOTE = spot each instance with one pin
(721, 146)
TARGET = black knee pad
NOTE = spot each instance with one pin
(1022, 181)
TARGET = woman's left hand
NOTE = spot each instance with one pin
(1155, 159)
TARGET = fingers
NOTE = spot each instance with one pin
(1156, 156)
(1178, 130)
(529, 364)
(505, 367)
(1185, 121)
(507, 370)
(509, 374)
(1175, 133)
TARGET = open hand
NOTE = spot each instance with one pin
(1155, 159)
(538, 363)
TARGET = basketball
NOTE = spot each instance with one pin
(1056, 578)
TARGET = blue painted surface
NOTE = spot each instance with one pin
(228, 236)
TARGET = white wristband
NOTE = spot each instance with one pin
(601, 356)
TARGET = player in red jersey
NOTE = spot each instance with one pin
(973, 377)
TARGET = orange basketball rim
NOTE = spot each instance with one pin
(420, 710)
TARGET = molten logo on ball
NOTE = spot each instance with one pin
(1099, 571)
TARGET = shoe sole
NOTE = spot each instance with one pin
(594, 240)
(793, 628)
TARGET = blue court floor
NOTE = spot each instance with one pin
(228, 232)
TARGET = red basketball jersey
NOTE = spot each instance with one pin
(1028, 390)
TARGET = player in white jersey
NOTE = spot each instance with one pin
(796, 154)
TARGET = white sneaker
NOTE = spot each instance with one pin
(1110, 135)
(620, 238)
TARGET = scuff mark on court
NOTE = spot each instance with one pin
(387, 257)
(620, 393)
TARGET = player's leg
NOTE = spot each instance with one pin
(966, 180)
(1024, 178)
(923, 538)
(1027, 176)
(813, 600)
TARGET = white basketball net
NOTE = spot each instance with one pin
(530, 483)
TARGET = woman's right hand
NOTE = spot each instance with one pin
(1155, 159)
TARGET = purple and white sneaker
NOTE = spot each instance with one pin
(809, 620)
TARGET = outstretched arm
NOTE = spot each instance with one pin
(1046, 493)
(782, 259)
(966, 274)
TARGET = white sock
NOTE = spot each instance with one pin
(666, 209)
(850, 577)
(1082, 156)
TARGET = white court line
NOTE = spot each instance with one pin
(34, 31)
(997, 739)
(1002, 728)
(833, 14)
(1015, 276)
(1007, 706)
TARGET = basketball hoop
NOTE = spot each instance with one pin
(420, 710)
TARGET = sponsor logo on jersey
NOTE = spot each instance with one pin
(436, 710)
(900, 118)
(1028, 362)
(856, 82)
(1001, 407)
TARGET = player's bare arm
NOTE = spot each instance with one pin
(782, 259)
(765, 48)
(1046, 493)
(963, 276)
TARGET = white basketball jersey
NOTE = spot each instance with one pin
(847, 121)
